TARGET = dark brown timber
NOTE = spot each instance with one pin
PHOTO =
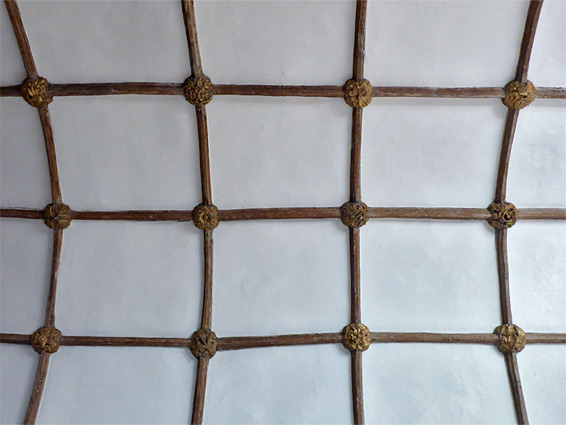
(37, 391)
(21, 37)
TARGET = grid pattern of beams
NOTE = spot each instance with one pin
(237, 343)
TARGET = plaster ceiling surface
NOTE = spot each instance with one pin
(279, 277)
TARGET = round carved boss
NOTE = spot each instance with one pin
(354, 214)
(205, 217)
(198, 91)
(503, 215)
(57, 216)
(203, 343)
(512, 338)
(356, 337)
(46, 340)
(518, 95)
(36, 92)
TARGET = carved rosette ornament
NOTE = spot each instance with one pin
(198, 91)
(518, 95)
(356, 337)
(512, 338)
(57, 216)
(36, 92)
(203, 343)
(205, 217)
(503, 215)
(354, 214)
(46, 340)
(357, 94)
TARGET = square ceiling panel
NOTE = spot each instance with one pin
(22, 157)
(537, 170)
(286, 385)
(110, 41)
(296, 284)
(443, 44)
(548, 60)
(431, 277)
(543, 372)
(26, 251)
(279, 152)
(141, 385)
(431, 152)
(127, 152)
(149, 284)
(536, 268)
(436, 384)
(17, 373)
(276, 42)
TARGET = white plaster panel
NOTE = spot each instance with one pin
(276, 42)
(429, 276)
(24, 173)
(18, 364)
(26, 247)
(536, 275)
(436, 384)
(283, 385)
(543, 375)
(537, 168)
(548, 58)
(268, 152)
(431, 152)
(134, 152)
(275, 278)
(130, 279)
(109, 41)
(126, 385)
(443, 43)
(11, 65)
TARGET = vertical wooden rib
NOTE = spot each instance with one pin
(360, 39)
(516, 388)
(21, 37)
(31, 70)
(500, 196)
(51, 156)
(355, 296)
(206, 188)
(503, 275)
(192, 39)
(528, 39)
(200, 390)
(206, 184)
(508, 134)
(206, 320)
(57, 245)
(357, 387)
(37, 391)
(356, 195)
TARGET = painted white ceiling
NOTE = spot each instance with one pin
(144, 279)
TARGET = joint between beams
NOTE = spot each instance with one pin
(357, 93)
(203, 343)
(503, 215)
(356, 337)
(57, 216)
(519, 95)
(512, 339)
(198, 91)
(354, 214)
(205, 217)
(36, 92)
(46, 340)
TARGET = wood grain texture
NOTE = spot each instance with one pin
(51, 156)
(516, 388)
(37, 391)
(200, 390)
(56, 258)
(357, 387)
(244, 342)
(206, 318)
(21, 37)
(139, 215)
(192, 38)
(106, 341)
(356, 156)
(531, 23)
(503, 275)
(360, 39)
(278, 214)
(277, 91)
(355, 278)
(202, 128)
(507, 142)
(105, 89)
